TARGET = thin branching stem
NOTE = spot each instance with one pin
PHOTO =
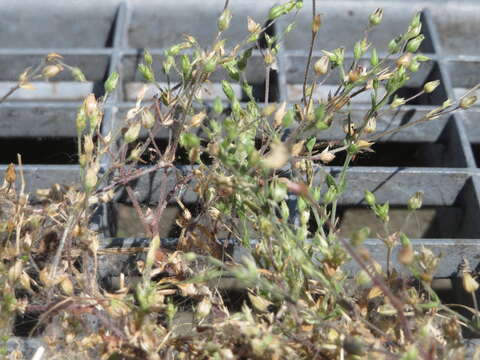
(310, 52)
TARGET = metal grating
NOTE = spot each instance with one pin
(439, 158)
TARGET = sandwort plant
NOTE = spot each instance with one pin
(258, 172)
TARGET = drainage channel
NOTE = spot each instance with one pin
(439, 158)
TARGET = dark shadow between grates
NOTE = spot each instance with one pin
(476, 153)
(39, 150)
(435, 98)
(25, 323)
(444, 151)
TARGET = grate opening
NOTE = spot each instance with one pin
(270, 31)
(39, 150)
(476, 153)
(425, 132)
(129, 224)
(25, 323)
(62, 87)
(415, 85)
(464, 75)
(428, 72)
(435, 222)
(39, 120)
(431, 144)
(150, 157)
(254, 72)
(400, 154)
(260, 88)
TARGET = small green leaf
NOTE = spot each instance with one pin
(288, 118)
(189, 140)
(218, 105)
(310, 143)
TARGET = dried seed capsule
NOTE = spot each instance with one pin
(371, 125)
(10, 174)
(469, 283)
(197, 119)
(147, 119)
(91, 178)
(88, 146)
(50, 71)
(406, 254)
(90, 105)
(405, 59)
(317, 22)
(321, 65)
(326, 156)
(252, 26)
(397, 102)
(467, 102)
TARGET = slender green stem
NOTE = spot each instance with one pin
(341, 182)
(310, 52)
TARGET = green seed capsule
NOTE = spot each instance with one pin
(186, 66)
(81, 120)
(132, 133)
(146, 73)
(376, 17)
(370, 198)
(414, 66)
(228, 90)
(393, 46)
(147, 57)
(224, 20)
(210, 65)
(218, 105)
(111, 82)
(78, 74)
(276, 12)
(374, 57)
(415, 43)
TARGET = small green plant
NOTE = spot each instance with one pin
(257, 171)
